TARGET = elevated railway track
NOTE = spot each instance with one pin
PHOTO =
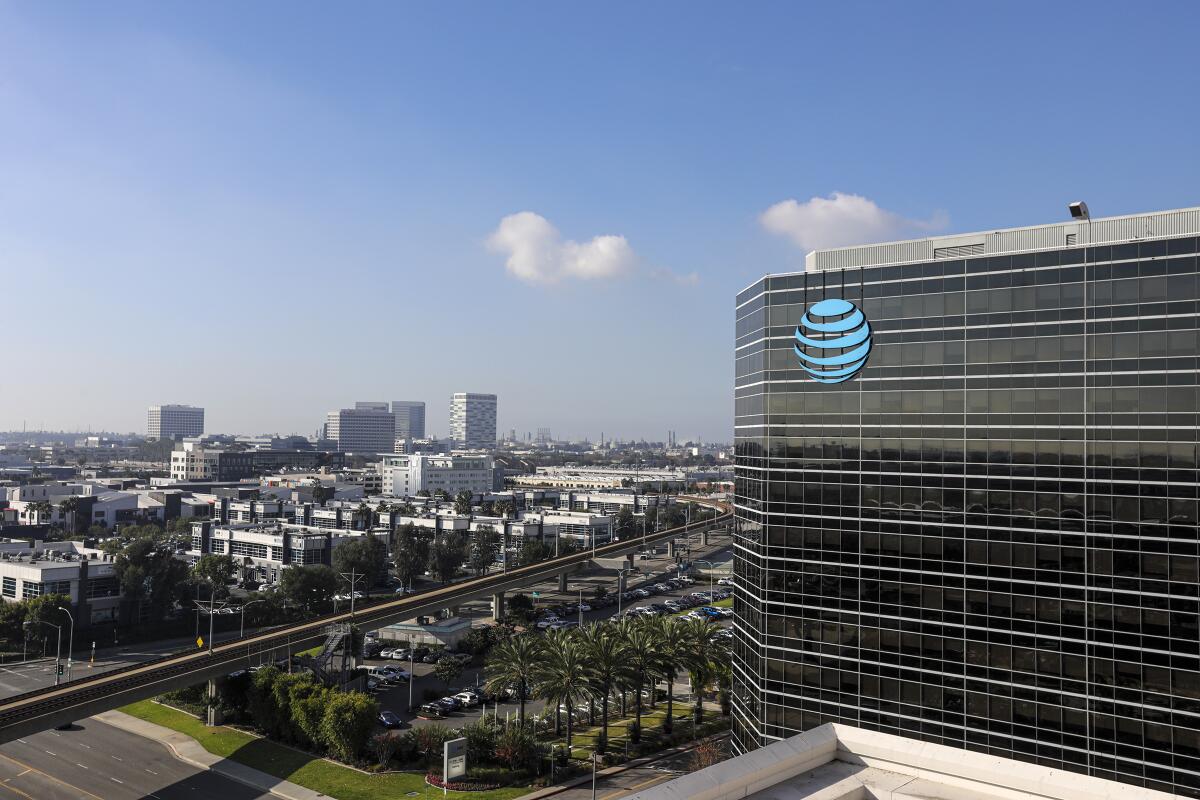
(77, 699)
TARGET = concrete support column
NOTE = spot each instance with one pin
(211, 717)
(562, 581)
(671, 549)
(497, 606)
(704, 538)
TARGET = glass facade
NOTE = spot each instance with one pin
(988, 538)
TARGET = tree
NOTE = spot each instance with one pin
(149, 572)
(520, 607)
(365, 555)
(384, 746)
(309, 586)
(624, 524)
(677, 646)
(67, 508)
(642, 656)
(410, 549)
(605, 651)
(483, 549)
(448, 670)
(216, 571)
(363, 516)
(464, 502)
(513, 664)
(446, 554)
(564, 676)
(12, 618)
(708, 662)
(36, 511)
(534, 551)
(505, 509)
(347, 724)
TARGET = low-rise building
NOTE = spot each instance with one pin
(408, 475)
(83, 574)
(262, 550)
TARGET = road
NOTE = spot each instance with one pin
(18, 677)
(632, 780)
(94, 761)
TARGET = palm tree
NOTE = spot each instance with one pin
(37, 510)
(363, 514)
(677, 646)
(68, 507)
(564, 675)
(514, 662)
(709, 662)
(642, 657)
(606, 654)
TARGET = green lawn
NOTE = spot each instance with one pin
(284, 762)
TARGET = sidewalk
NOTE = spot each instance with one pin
(188, 750)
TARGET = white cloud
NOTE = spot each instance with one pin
(842, 219)
(537, 253)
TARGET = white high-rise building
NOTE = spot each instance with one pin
(410, 418)
(473, 420)
(406, 475)
(174, 422)
(362, 430)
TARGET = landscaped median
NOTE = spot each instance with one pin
(311, 772)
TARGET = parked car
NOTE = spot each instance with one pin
(451, 702)
(419, 653)
(546, 622)
(469, 698)
(584, 607)
(431, 710)
(389, 719)
(641, 594)
(725, 582)
(432, 658)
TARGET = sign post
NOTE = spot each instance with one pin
(454, 761)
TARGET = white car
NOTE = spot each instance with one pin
(547, 622)
(584, 607)
(468, 698)
(386, 653)
(725, 582)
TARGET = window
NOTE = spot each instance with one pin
(31, 589)
(10, 587)
(252, 549)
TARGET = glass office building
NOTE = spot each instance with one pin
(987, 536)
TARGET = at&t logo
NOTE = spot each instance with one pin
(833, 341)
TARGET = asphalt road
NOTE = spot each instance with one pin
(94, 761)
(18, 677)
(632, 780)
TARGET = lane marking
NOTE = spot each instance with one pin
(51, 754)
(80, 765)
(16, 790)
(116, 781)
(88, 746)
(152, 772)
(118, 758)
(82, 791)
(634, 788)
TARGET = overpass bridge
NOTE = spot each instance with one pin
(77, 699)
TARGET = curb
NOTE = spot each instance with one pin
(177, 743)
(617, 769)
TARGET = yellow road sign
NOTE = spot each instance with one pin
(199, 641)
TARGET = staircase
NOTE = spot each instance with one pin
(332, 665)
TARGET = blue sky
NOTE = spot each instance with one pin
(275, 208)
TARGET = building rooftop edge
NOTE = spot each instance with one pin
(1000, 241)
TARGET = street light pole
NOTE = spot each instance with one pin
(58, 655)
(242, 629)
(70, 640)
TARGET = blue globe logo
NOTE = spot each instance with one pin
(833, 341)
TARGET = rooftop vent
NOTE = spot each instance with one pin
(958, 251)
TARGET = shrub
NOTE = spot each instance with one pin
(481, 739)
(429, 741)
(517, 748)
(347, 723)
(384, 746)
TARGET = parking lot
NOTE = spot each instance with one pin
(555, 611)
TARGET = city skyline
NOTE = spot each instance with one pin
(561, 181)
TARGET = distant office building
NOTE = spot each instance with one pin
(371, 405)
(410, 418)
(362, 430)
(174, 422)
(84, 575)
(191, 461)
(406, 475)
(473, 420)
